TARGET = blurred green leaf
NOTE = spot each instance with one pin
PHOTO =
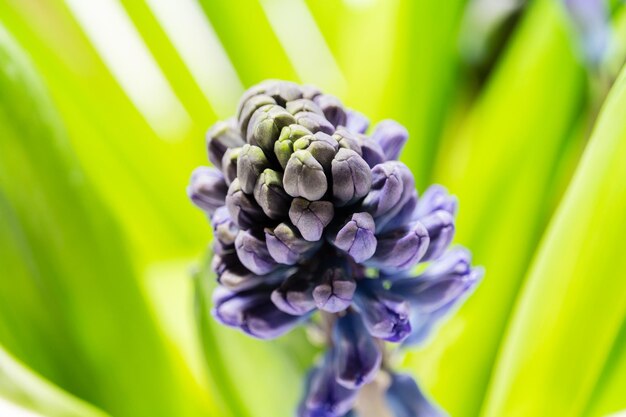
(22, 386)
(573, 305)
(502, 165)
(141, 175)
(70, 304)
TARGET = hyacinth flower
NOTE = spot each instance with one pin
(311, 214)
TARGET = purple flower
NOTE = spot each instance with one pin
(310, 213)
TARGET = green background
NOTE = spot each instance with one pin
(103, 109)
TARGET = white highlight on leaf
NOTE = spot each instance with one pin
(298, 33)
(10, 409)
(120, 46)
(192, 34)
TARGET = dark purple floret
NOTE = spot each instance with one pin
(324, 396)
(357, 356)
(406, 399)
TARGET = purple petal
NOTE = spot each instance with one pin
(332, 108)
(311, 217)
(322, 146)
(440, 226)
(347, 140)
(304, 177)
(357, 357)
(207, 189)
(250, 107)
(446, 280)
(243, 210)
(286, 245)
(323, 396)
(303, 105)
(406, 400)
(265, 126)
(392, 186)
(436, 198)
(253, 312)
(270, 195)
(391, 136)
(250, 163)
(220, 137)
(356, 122)
(224, 229)
(334, 291)
(314, 122)
(385, 314)
(401, 249)
(295, 294)
(371, 151)
(253, 253)
(356, 237)
(352, 177)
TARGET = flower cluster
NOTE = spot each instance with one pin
(311, 213)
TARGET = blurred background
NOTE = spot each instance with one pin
(516, 107)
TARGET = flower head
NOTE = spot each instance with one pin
(309, 213)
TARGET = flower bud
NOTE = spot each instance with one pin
(385, 314)
(304, 177)
(347, 140)
(286, 245)
(250, 163)
(303, 105)
(253, 253)
(220, 137)
(332, 108)
(356, 122)
(283, 148)
(243, 210)
(352, 177)
(356, 237)
(224, 229)
(265, 126)
(400, 216)
(392, 183)
(322, 146)
(436, 198)
(310, 91)
(391, 136)
(271, 196)
(445, 281)
(314, 122)
(440, 226)
(295, 295)
(229, 164)
(323, 396)
(357, 357)
(250, 107)
(284, 92)
(333, 293)
(400, 249)
(253, 312)
(233, 275)
(406, 400)
(311, 217)
(371, 151)
(207, 189)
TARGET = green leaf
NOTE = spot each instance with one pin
(22, 386)
(502, 165)
(70, 304)
(573, 305)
